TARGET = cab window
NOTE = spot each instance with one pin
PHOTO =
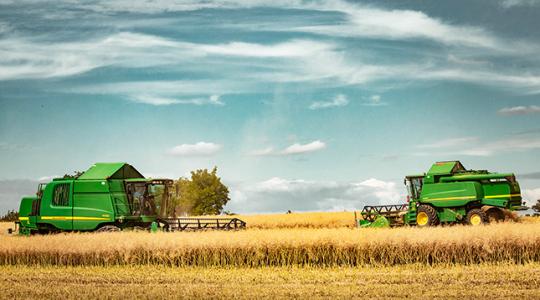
(61, 195)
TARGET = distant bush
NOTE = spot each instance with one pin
(10, 216)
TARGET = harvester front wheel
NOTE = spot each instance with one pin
(426, 216)
(476, 217)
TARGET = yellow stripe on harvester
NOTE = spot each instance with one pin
(67, 218)
(474, 197)
(452, 198)
(23, 218)
(502, 196)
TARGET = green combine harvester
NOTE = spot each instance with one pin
(108, 197)
(448, 193)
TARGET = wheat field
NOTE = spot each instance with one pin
(299, 255)
(516, 243)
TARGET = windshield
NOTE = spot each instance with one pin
(147, 198)
(414, 186)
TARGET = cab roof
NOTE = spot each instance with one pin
(119, 170)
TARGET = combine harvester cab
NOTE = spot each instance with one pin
(448, 193)
(107, 197)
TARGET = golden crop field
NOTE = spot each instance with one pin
(315, 255)
(497, 243)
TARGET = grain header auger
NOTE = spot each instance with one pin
(448, 193)
(108, 197)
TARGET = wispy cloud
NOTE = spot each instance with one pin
(198, 149)
(473, 146)
(159, 101)
(375, 100)
(516, 3)
(520, 110)
(447, 143)
(337, 101)
(399, 24)
(293, 149)
(262, 152)
(322, 62)
(534, 175)
(304, 148)
(361, 20)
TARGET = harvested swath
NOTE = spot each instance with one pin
(499, 243)
(500, 281)
(300, 220)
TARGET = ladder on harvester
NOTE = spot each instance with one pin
(188, 224)
(393, 213)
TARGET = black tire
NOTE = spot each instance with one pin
(426, 216)
(109, 228)
(495, 215)
(476, 217)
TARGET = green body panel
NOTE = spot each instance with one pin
(452, 194)
(92, 209)
(26, 220)
(91, 186)
(447, 215)
(58, 216)
(96, 198)
(119, 198)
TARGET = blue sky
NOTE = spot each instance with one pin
(304, 105)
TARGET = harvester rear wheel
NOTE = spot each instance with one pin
(426, 216)
(495, 215)
(476, 217)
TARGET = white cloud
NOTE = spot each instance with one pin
(48, 178)
(279, 195)
(520, 110)
(304, 148)
(198, 149)
(159, 101)
(531, 196)
(337, 101)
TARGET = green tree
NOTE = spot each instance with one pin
(536, 207)
(202, 194)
